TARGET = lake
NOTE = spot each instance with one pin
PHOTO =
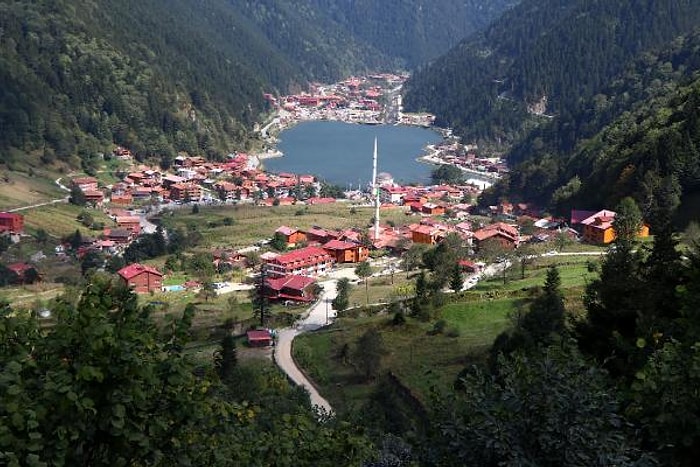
(341, 153)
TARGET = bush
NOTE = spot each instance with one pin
(439, 327)
(399, 319)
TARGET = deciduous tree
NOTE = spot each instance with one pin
(368, 353)
(363, 271)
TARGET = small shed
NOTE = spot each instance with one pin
(259, 338)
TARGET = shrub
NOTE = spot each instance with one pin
(399, 319)
(439, 327)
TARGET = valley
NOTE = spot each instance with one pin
(520, 287)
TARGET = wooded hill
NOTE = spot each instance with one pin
(636, 136)
(541, 59)
(166, 76)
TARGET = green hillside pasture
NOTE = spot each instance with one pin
(31, 296)
(380, 289)
(250, 224)
(573, 271)
(17, 189)
(418, 357)
(59, 220)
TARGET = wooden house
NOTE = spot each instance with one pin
(598, 228)
(292, 287)
(291, 235)
(84, 183)
(309, 261)
(426, 234)
(259, 338)
(142, 279)
(507, 235)
(346, 252)
(185, 191)
(11, 222)
(432, 209)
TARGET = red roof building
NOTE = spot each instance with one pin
(505, 234)
(132, 223)
(291, 235)
(346, 252)
(21, 271)
(85, 183)
(426, 234)
(259, 338)
(142, 279)
(11, 222)
(184, 191)
(309, 261)
(297, 288)
(598, 228)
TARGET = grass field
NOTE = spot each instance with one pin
(252, 223)
(18, 189)
(421, 358)
(59, 220)
(381, 289)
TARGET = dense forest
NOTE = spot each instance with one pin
(540, 60)
(637, 134)
(162, 77)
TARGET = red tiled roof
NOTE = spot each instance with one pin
(133, 270)
(303, 254)
(339, 245)
(20, 268)
(600, 220)
(259, 335)
(578, 215)
(293, 282)
(287, 231)
(499, 228)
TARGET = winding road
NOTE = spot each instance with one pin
(318, 316)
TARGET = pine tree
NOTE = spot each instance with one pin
(226, 358)
(456, 279)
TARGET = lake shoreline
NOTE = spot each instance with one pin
(339, 151)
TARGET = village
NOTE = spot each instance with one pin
(290, 259)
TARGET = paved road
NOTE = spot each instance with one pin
(319, 315)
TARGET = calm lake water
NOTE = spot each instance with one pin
(341, 153)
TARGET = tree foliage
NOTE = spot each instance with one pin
(488, 87)
(546, 409)
(105, 386)
(368, 353)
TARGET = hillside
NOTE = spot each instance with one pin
(540, 60)
(414, 31)
(638, 134)
(162, 77)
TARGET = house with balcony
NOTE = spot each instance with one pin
(309, 261)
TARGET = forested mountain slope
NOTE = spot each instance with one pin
(412, 30)
(166, 76)
(638, 135)
(540, 60)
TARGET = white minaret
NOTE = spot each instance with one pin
(375, 189)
